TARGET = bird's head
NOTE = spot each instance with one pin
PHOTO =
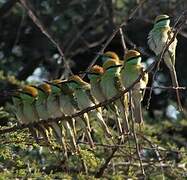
(52, 88)
(76, 82)
(45, 87)
(162, 20)
(97, 69)
(133, 57)
(109, 55)
(95, 72)
(28, 93)
(111, 65)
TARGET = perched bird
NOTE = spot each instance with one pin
(85, 99)
(17, 109)
(158, 37)
(95, 76)
(67, 106)
(110, 55)
(130, 72)
(28, 96)
(49, 89)
(111, 86)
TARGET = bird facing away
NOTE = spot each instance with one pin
(66, 106)
(130, 72)
(47, 109)
(111, 86)
(85, 99)
(158, 37)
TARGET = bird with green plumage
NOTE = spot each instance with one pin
(158, 37)
(28, 96)
(130, 72)
(67, 106)
(85, 99)
(111, 86)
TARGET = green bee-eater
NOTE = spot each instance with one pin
(157, 39)
(129, 73)
(66, 106)
(111, 86)
(47, 109)
(28, 96)
(95, 76)
(85, 100)
(110, 55)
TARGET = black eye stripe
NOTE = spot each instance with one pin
(113, 66)
(162, 19)
(133, 58)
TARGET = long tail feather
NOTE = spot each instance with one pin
(176, 84)
(87, 129)
(137, 98)
(71, 135)
(123, 115)
(97, 114)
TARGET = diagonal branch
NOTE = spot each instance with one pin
(114, 34)
(44, 30)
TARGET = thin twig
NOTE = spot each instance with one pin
(134, 135)
(104, 166)
(123, 42)
(113, 35)
(156, 151)
(44, 30)
(166, 88)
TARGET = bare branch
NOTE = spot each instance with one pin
(45, 31)
(114, 34)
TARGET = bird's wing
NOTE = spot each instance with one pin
(90, 96)
(120, 88)
(151, 41)
(172, 47)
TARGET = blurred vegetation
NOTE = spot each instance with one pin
(81, 28)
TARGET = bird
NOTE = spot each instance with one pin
(130, 72)
(110, 55)
(17, 109)
(94, 76)
(66, 106)
(111, 86)
(158, 37)
(50, 89)
(85, 99)
(28, 96)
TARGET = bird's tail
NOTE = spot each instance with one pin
(175, 84)
(71, 135)
(87, 129)
(97, 114)
(59, 134)
(123, 114)
(136, 99)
